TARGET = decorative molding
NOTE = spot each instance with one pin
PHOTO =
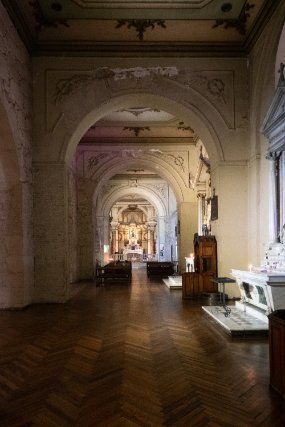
(95, 160)
(240, 23)
(42, 21)
(136, 129)
(178, 160)
(218, 88)
(96, 4)
(161, 189)
(65, 87)
(141, 25)
(214, 86)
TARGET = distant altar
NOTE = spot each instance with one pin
(133, 251)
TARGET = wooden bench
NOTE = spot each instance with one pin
(161, 269)
(114, 271)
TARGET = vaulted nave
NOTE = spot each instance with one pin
(131, 355)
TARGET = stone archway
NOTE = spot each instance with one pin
(93, 218)
(152, 195)
(79, 105)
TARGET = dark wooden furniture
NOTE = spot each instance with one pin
(160, 269)
(205, 262)
(191, 285)
(121, 270)
(277, 351)
(205, 265)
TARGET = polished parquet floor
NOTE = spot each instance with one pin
(131, 355)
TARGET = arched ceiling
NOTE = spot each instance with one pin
(141, 196)
(172, 27)
(139, 122)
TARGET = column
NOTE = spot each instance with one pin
(50, 233)
(201, 211)
(115, 241)
(161, 238)
(150, 232)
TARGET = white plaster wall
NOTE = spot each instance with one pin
(262, 80)
(16, 254)
(230, 182)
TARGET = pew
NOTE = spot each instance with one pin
(120, 270)
(160, 269)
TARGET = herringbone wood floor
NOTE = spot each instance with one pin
(135, 355)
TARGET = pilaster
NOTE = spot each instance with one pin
(50, 233)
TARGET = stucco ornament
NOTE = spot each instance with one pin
(65, 87)
(178, 160)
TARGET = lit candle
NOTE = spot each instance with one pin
(250, 267)
(192, 261)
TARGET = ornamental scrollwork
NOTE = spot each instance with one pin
(141, 25)
(67, 86)
(215, 87)
(178, 160)
(94, 160)
(240, 23)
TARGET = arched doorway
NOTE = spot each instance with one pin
(172, 164)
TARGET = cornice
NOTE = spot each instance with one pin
(127, 50)
(261, 21)
(23, 30)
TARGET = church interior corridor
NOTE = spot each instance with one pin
(142, 213)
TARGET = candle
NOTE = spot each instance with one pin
(250, 267)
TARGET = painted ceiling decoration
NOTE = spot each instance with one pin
(139, 28)
(136, 129)
(139, 111)
(240, 23)
(42, 21)
(141, 25)
(182, 126)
